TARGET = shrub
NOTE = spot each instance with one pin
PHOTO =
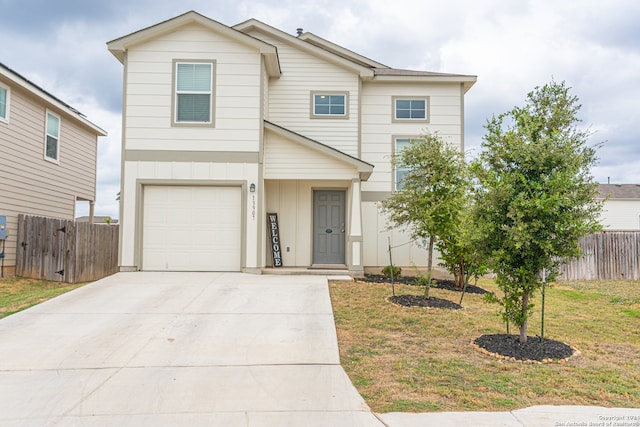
(389, 269)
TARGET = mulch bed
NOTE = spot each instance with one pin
(509, 347)
(422, 301)
(449, 285)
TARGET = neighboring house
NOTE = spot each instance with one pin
(621, 209)
(223, 125)
(48, 160)
(97, 220)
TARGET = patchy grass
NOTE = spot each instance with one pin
(17, 293)
(420, 359)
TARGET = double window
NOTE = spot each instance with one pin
(329, 105)
(4, 103)
(410, 109)
(193, 102)
(52, 138)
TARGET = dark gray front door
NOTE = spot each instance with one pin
(328, 227)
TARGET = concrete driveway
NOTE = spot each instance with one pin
(179, 349)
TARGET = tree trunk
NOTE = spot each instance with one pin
(523, 327)
(429, 264)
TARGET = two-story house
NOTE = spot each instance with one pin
(224, 125)
(48, 160)
(621, 210)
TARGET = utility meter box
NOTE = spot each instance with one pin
(3, 227)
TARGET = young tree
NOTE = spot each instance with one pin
(433, 195)
(536, 195)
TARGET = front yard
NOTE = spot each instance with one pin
(18, 294)
(421, 359)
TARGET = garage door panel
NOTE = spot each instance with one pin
(192, 228)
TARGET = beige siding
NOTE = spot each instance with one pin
(621, 215)
(28, 183)
(181, 173)
(378, 128)
(238, 74)
(287, 160)
(376, 242)
(290, 96)
(293, 202)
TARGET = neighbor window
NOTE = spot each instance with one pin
(193, 92)
(400, 173)
(4, 103)
(52, 139)
(333, 105)
(410, 109)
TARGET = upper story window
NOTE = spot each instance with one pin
(52, 138)
(332, 105)
(193, 102)
(400, 144)
(410, 109)
(4, 103)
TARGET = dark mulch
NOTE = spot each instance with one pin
(449, 285)
(510, 346)
(422, 301)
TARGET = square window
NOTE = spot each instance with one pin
(410, 109)
(329, 105)
(193, 100)
(52, 138)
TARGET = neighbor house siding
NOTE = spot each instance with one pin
(32, 185)
(290, 96)
(149, 93)
(378, 127)
(620, 214)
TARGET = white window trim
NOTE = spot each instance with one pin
(5, 119)
(394, 169)
(174, 94)
(312, 112)
(46, 122)
(427, 108)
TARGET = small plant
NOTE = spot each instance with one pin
(425, 281)
(392, 271)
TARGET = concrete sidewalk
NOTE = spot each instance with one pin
(204, 349)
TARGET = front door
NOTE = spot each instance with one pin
(328, 227)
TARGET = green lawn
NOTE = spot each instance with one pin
(17, 294)
(417, 359)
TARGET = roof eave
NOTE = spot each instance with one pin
(254, 24)
(51, 100)
(119, 46)
(467, 81)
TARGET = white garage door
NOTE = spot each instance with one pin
(191, 228)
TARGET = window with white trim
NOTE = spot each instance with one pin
(329, 104)
(400, 173)
(410, 109)
(52, 138)
(193, 103)
(4, 103)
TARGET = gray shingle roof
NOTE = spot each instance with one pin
(620, 191)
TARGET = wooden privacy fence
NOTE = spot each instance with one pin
(610, 255)
(65, 251)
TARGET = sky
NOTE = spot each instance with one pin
(511, 46)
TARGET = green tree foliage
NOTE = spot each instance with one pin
(435, 191)
(536, 195)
